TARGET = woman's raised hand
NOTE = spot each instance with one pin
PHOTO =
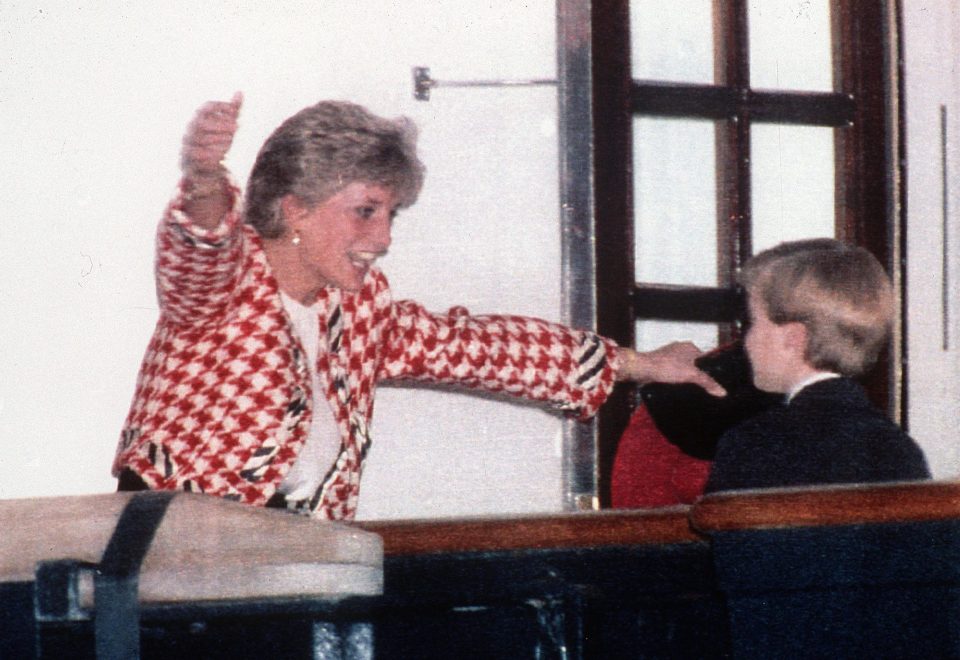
(206, 196)
(208, 138)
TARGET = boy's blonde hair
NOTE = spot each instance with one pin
(839, 292)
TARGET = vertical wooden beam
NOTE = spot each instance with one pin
(732, 69)
(734, 224)
(613, 181)
(864, 40)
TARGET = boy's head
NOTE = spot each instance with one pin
(815, 305)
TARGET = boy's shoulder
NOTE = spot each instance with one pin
(841, 404)
(836, 410)
(829, 433)
(840, 389)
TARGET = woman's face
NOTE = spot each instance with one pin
(341, 237)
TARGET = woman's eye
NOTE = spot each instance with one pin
(366, 212)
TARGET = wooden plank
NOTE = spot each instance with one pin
(687, 303)
(206, 548)
(819, 506)
(668, 99)
(572, 530)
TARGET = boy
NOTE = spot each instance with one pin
(820, 312)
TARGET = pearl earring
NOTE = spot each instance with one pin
(296, 239)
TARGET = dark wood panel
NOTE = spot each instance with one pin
(865, 186)
(719, 102)
(613, 199)
(695, 304)
(734, 207)
(808, 108)
(688, 101)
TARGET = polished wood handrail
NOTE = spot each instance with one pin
(827, 505)
(759, 509)
(555, 531)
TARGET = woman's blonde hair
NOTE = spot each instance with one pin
(323, 148)
(839, 292)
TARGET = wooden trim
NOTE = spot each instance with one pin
(855, 504)
(687, 303)
(900, 367)
(842, 505)
(613, 168)
(613, 191)
(734, 210)
(807, 108)
(572, 530)
(860, 73)
(661, 99)
(732, 58)
(863, 193)
(716, 102)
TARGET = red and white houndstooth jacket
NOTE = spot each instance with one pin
(223, 401)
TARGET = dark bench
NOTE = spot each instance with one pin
(846, 572)
(854, 571)
(605, 585)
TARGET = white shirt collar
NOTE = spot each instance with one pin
(810, 380)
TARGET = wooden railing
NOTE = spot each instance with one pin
(798, 507)
(840, 505)
(573, 530)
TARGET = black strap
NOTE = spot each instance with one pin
(117, 619)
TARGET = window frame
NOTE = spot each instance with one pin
(860, 110)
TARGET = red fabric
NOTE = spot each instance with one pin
(650, 471)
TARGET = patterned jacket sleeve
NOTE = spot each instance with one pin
(196, 268)
(571, 370)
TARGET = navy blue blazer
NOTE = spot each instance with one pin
(828, 434)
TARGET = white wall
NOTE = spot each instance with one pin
(932, 80)
(93, 104)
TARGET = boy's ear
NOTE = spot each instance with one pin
(795, 338)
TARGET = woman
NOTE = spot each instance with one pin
(275, 326)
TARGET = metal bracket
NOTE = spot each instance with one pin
(423, 83)
(117, 615)
(57, 590)
(60, 586)
(945, 216)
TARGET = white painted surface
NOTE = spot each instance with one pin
(93, 104)
(932, 80)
